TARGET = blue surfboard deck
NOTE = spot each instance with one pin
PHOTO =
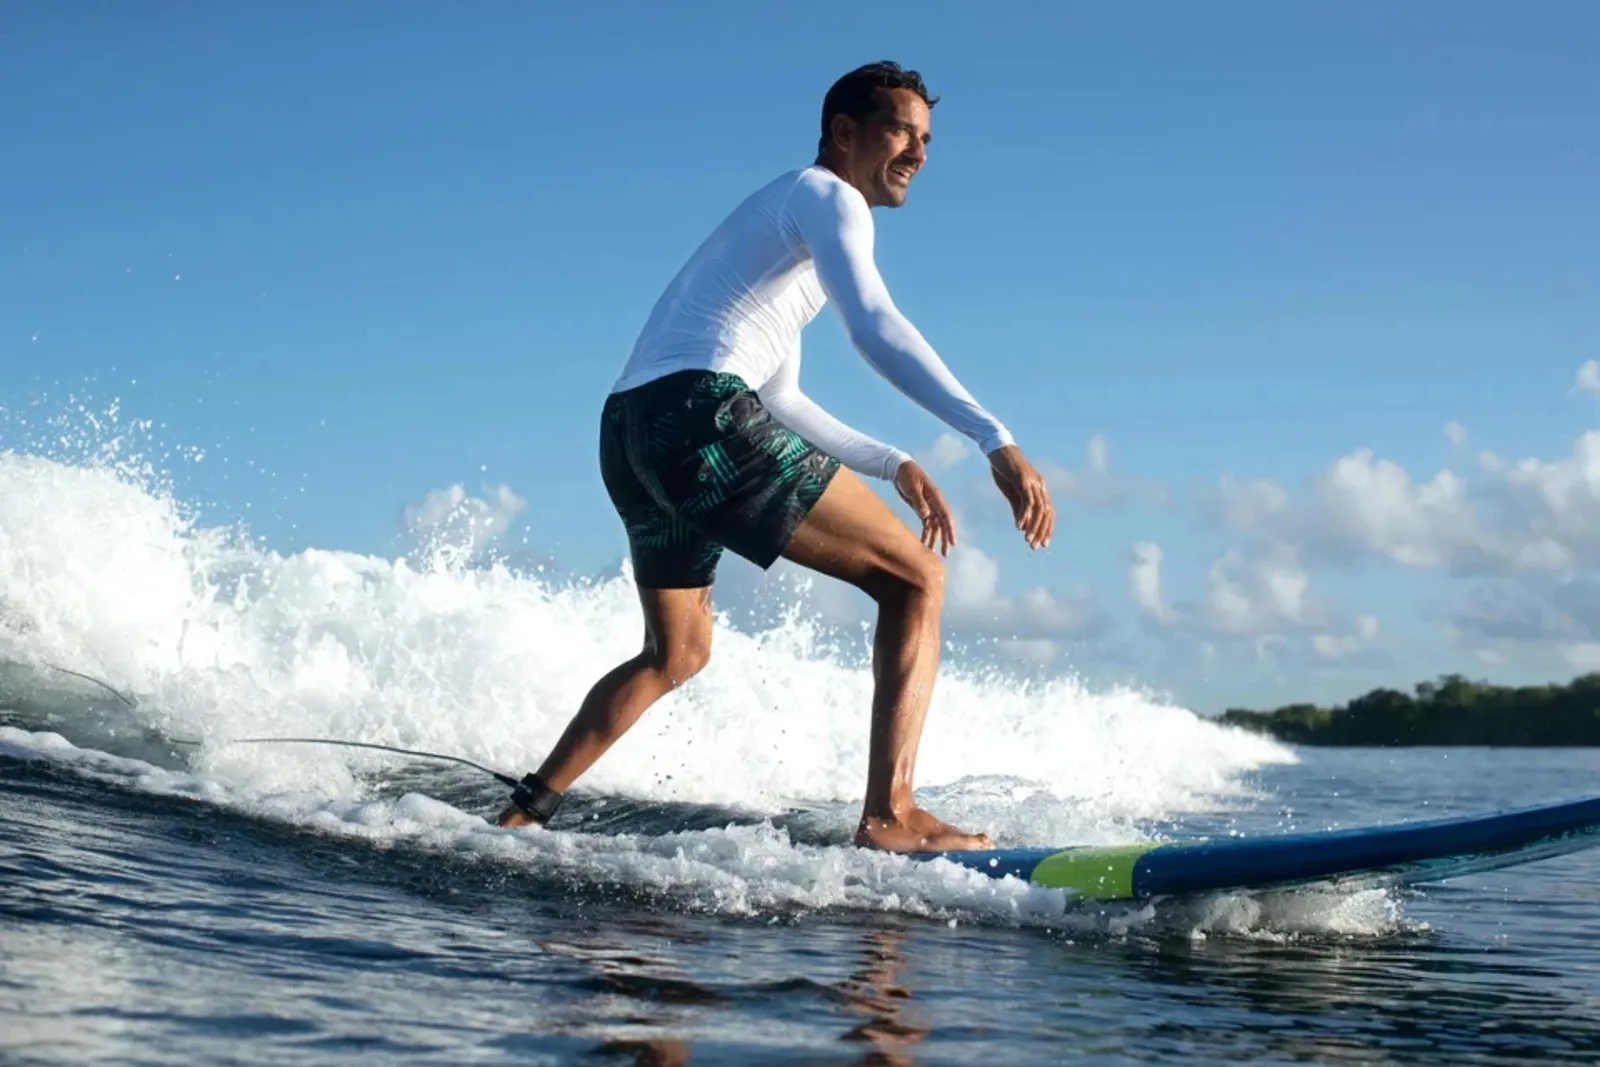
(1403, 853)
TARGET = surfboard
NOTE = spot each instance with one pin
(1395, 854)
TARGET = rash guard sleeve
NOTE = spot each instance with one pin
(835, 223)
(866, 456)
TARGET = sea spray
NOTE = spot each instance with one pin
(215, 636)
(219, 638)
(104, 570)
(738, 871)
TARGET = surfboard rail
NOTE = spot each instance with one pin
(1411, 852)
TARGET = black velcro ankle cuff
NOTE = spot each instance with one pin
(535, 798)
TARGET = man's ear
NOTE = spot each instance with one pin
(841, 132)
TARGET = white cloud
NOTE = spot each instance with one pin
(1548, 512)
(1523, 515)
(1095, 484)
(974, 603)
(1097, 454)
(1373, 503)
(1584, 656)
(1075, 613)
(1262, 594)
(1587, 379)
(1334, 647)
(1269, 647)
(1524, 532)
(1144, 579)
(1456, 434)
(971, 578)
(1255, 506)
(1257, 605)
(947, 450)
(1244, 595)
(450, 523)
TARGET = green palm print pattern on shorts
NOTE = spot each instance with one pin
(695, 464)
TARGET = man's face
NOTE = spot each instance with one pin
(884, 153)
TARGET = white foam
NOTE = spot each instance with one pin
(739, 871)
(219, 638)
(103, 571)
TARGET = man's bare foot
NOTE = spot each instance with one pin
(513, 817)
(917, 831)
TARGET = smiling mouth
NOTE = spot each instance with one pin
(902, 173)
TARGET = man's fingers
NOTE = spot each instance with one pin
(939, 516)
(947, 525)
(1029, 497)
(925, 500)
(925, 512)
(1040, 515)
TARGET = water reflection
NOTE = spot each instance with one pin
(647, 1007)
(655, 1053)
(138, 920)
(891, 1023)
(639, 1005)
(1352, 1001)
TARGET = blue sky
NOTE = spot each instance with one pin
(362, 253)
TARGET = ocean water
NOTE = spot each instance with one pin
(697, 901)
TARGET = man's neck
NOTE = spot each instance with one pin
(826, 163)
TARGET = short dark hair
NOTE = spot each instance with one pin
(856, 94)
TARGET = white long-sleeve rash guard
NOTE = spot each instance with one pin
(740, 303)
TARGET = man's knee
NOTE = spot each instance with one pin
(927, 579)
(918, 577)
(683, 659)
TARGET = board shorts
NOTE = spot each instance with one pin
(694, 463)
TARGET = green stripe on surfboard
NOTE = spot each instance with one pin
(1098, 873)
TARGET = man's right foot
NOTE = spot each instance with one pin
(917, 831)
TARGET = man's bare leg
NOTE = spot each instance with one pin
(677, 644)
(852, 535)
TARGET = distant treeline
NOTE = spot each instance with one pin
(1451, 711)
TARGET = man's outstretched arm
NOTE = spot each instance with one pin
(837, 227)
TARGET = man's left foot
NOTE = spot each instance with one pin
(513, 817)
(532, 802)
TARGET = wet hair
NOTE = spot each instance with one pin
(856, 94)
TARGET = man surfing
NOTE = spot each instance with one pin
(707, 443)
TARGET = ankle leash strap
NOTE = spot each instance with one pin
(535, 798)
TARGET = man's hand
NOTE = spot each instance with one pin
(1025, 490)
(918, 490)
